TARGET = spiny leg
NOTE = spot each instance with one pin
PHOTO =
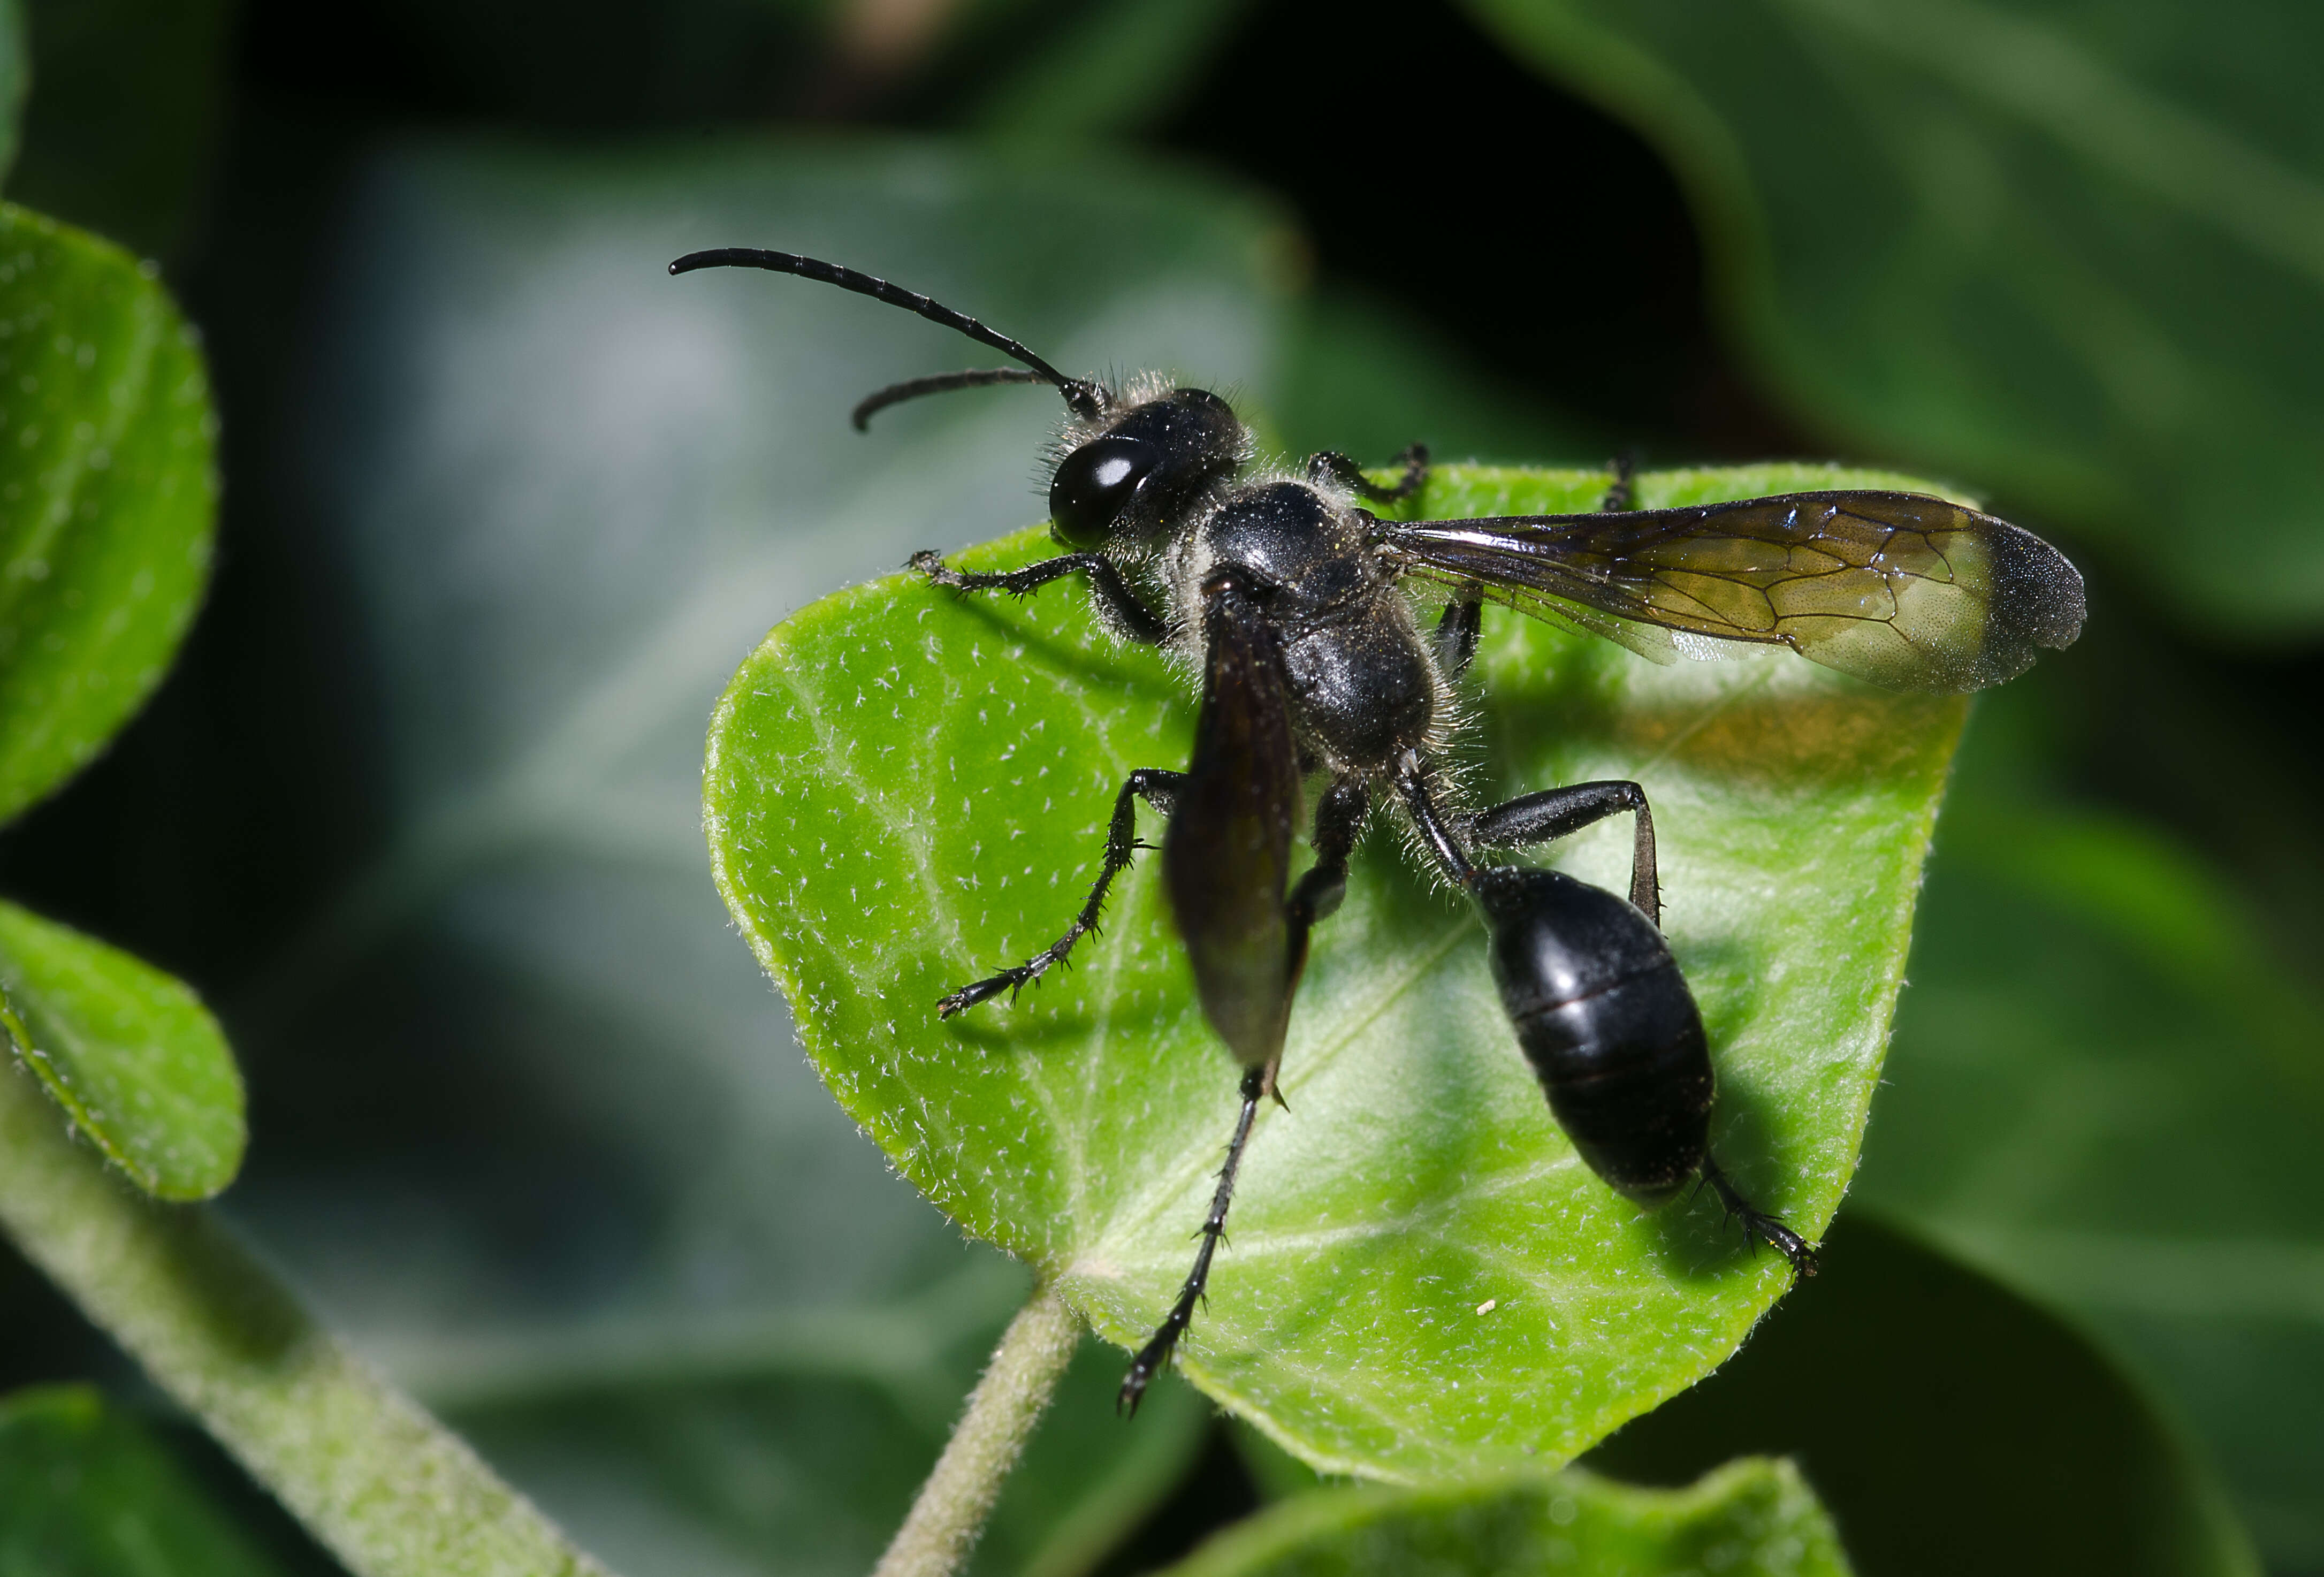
(1160, 788)
(1107, 588)
(1537, 819)
(1757, 1224)
(1330, 466)
(1156, 1353)
(1437, 832)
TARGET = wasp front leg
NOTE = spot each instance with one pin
(1121, 606)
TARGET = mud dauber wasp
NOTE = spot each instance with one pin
(1283, 592)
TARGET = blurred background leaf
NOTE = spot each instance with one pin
(2076, 254)
(129, 1052)
(1949, 1424)
(2106, 1092)
(85, 1492)
(122, 127)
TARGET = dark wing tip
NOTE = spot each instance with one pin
(2037, 600)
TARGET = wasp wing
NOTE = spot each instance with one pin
(1903, 589)
(1226, 859)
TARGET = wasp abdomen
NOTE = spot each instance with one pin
(1606, 1018)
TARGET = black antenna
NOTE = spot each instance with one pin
(1082, 396)
(936, 383)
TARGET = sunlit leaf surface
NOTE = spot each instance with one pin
(106, 495)
(906, 790)
(85, 1492)
(1751, 1519)
(2075, 252)
(130, 1052)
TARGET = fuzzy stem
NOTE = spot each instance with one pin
(953, 1505)
(387, 1488)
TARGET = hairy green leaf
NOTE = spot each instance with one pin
(106, 495)
(1751, 1518)
(1898, 1369)
(905, 788)
(85, 1492)
(2075, 251)
(129, 1052)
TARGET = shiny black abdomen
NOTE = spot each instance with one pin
(1606, 1018)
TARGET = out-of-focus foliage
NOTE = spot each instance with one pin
(1950, 1425)
(85, 1492)
(124, 111)
(796, 1449)
(2075, 253)
(2105, 1090)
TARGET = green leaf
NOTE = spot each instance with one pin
(2106, 1092)
(1751, 1519)
(1950, 1425)
(906, 790)
(85, 1492)
(129, 1052)
(2078, 252)
(106, 495)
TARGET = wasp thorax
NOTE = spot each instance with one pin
(1150, 464)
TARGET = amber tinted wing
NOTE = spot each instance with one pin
(1902, 589)
(1226, 860)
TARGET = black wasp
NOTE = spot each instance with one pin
(1282, 590)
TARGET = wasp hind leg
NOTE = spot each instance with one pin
(1757, 1224)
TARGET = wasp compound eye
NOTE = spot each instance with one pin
(1095, 484)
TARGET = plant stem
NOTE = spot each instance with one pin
(953, 1505)
(391, 1491)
